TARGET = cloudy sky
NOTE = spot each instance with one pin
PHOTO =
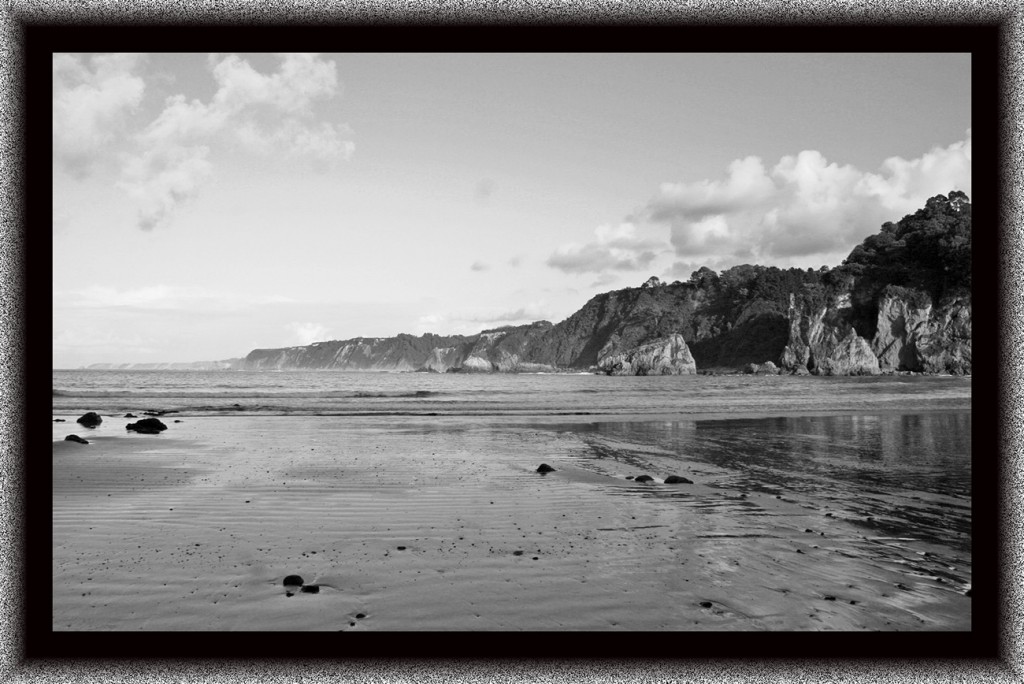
(207, 205)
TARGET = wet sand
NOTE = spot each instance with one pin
(443, 524)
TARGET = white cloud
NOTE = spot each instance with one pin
(615, 248)
(272, 114)
(802, 211)
(160, 298)
(91, 98)
(308, 333)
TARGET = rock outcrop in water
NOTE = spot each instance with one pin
(872, 314)
(668, 356)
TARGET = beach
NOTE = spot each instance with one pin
(443, 523)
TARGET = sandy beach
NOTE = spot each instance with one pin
(444, 524)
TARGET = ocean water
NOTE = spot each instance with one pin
(352, 393)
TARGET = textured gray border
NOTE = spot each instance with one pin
(14, 13)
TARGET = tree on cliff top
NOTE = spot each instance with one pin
(929, 250)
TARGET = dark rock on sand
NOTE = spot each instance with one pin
(676, 479)
(629, 477)
(147, 426)
(310, 589)
(293, 581)
(130, 415)
(545, 468)
(643, 478)
(76, 438)
(706, 604)
(58, 420)
(90, 420)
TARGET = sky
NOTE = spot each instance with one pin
(208, 205)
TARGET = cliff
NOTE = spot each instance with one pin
(502, 349)
(900, 303)
(226, 364)
(823, 341)
(872, 314)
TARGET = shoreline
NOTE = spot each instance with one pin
(445, 525)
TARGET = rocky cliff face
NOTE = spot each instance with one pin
(822, 341)
(916, 336)
(910, 335)
(667, 356)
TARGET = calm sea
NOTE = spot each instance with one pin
(350, 393)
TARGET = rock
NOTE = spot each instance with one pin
(823, 341)
(915, 336)
(90, 420)
(664, 356)
(147, 426)
(545, 468)
(293, 581)
(676, 479)
(766, 368)
(643, 478)
(130, 415)
(59, 420)
(705, 604)
(76, 438)
(474, 364)
(310, 589)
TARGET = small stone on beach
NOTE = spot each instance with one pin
(90, 419)
(545, 468)
(293, 581)
(76, 438)
(676, 479)
(643, 478)
(311, 589)
(146, 426)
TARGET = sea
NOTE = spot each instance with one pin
(470, 394)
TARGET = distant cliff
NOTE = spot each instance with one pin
(226, 364)
(900, 302)
(501, 349)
